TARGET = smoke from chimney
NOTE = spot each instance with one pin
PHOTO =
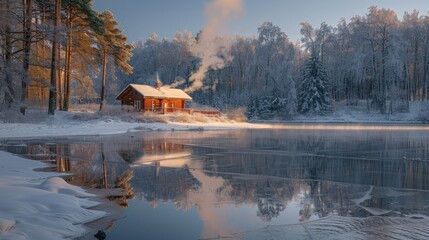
(218, 14)
(158, 82)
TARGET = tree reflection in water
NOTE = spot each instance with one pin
(90, 163)
(123, 182)
(269, 209)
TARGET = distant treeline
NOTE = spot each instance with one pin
(376, 57)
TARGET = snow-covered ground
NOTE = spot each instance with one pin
(40, 205)
(418, 114)
(70, 123)
(38, 124)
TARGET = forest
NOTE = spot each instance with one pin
(50, 49)
(55, 54)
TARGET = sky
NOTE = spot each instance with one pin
(140, 18)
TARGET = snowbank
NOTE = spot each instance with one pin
(39, 205)
(67, 124)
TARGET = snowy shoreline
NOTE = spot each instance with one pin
(25, 131)
(63, 124)
(41, 205)
(84, 121)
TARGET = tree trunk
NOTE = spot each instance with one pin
(426, 68)
(406, 86)
(68, 62)
(374, 82)
(103, 161)
(52, 89)
(10, 91)
(59, 80)
(415, 70)
(103, 82)
(27, 47)
(383, 80)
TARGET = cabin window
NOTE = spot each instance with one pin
(172, 105)
(153, 104)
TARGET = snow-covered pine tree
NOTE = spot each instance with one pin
(313, 97)
(253, 108)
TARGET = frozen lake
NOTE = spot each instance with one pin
(253, 184)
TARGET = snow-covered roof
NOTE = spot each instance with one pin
(162, 92)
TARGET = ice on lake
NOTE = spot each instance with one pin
(255, 184)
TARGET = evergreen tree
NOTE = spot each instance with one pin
(253, 108)
(314, 96)
(113, 43)
(81, 21)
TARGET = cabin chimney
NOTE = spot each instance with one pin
(158, 84)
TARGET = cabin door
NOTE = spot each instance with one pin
(138, 105)
(164, 107)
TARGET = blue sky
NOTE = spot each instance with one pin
(139, 18)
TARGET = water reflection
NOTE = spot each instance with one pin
(244, 180)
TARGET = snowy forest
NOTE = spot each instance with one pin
(58, 53)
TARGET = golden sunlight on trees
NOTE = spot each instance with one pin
(47, 45)
(112, 43)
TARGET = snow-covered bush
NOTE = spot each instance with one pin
(267, 107)
(236, 114)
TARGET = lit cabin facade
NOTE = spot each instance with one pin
(156, 99)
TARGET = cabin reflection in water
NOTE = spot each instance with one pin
(153, 151)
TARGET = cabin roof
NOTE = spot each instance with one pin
(163, 92)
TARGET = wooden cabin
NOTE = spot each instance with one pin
(156, 99)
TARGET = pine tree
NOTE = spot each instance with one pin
(253, 108)
(314, 96)
(81, 19)
(113, 43)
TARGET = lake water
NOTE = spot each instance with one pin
(297, 183)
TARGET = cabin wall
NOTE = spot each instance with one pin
(148, 103)
(176, 103)
(166, 105)
(171, 104)
(130, 97)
